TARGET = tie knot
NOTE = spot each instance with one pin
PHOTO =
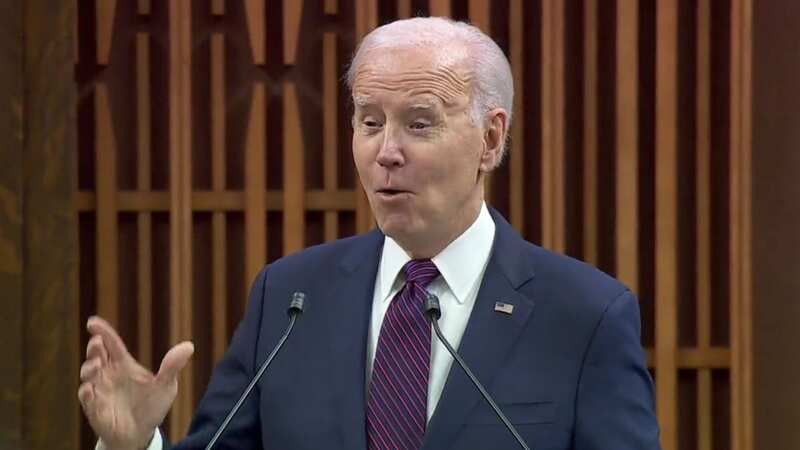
(420, 271)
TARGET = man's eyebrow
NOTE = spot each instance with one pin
(360, 100)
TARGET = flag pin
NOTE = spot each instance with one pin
(504, 308)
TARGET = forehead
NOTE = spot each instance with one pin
(420, 75)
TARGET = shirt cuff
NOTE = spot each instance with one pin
(155, 444)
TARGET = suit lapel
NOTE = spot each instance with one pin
(352, 290)
(489, 336)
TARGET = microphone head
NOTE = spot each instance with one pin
(297, 304)
(432, 308)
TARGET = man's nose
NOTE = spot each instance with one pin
(391, 152)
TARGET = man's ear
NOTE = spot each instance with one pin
(494, 139)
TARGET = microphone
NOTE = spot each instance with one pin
(434, 312)
(296, 306)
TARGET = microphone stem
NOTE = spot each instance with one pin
(478, 385)
(253, 382)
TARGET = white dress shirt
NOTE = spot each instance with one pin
(461, 266)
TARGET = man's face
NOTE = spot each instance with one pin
(417, 152)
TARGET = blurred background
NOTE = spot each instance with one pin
(156, 154)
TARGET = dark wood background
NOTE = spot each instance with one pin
(162, 152)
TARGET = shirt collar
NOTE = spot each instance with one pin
(460, 263)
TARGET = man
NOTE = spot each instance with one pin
(555, 342)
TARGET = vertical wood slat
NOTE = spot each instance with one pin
(144, 7)
(331, 7)
(294, 225)
(105, 29)
(517, 163)
(403, 9)
(255, 214)
(107, 230)
(439, 8)
(703, 224)
(218, 7)
(740, 270)
(590, 151)
(292, 12)
(330, 128)
(480, 15)
(366, 20)
(552, 98)
(219, 334)
(627, 168)
(666, 222)
(256, 29)
(180, 171)
(144, 220)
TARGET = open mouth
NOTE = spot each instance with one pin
(391, 193)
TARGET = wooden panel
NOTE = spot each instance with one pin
(403, 9)
(740, 224)
(703, 219)
(292, 12)
(105, 27)
(366, 20)
(218, 7)
(439, 8)
(255, 187)
(590, 150)
(143, 221)
(293, 173)
(480, 16)
(331, 6)
(517, 157)
(107, 233)
(627, 144)
(50, 331)
(219, 326)
(12, 134)
(144, 6)
(180, 320)
(330, 129)
(552, 146)
(666, 223)
(254, 13)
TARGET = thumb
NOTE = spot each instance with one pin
(175, 360)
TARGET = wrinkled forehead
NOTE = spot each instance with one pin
(439, 75)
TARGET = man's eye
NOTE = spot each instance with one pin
(419, 125)
(371, 123)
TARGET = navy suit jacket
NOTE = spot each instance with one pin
(566, 367)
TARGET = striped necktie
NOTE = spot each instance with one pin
(398, 392)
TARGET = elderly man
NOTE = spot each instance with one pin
(555, 341)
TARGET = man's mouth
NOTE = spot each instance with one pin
(391, 192)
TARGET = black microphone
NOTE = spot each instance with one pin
(296, 306)
(434, 312)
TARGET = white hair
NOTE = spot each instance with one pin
(494, 84)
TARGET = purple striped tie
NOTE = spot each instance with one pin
(398, 392)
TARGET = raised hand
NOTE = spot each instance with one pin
(123, 401)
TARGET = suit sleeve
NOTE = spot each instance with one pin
(230, 377)
(615, 407)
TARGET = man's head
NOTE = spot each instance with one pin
(433, 102)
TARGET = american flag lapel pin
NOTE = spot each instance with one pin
(504, 308)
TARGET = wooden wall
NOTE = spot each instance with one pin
(213, 137)
(39, 354)
(776, 221)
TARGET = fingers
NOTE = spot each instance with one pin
(97, 349)
(175, 360)
(86, 394)
(90, 369)
(111, 340)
